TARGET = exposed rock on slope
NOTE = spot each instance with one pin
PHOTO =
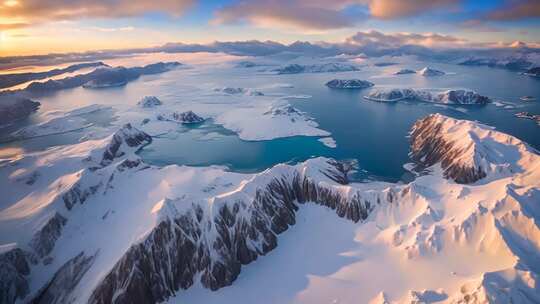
(188, 117)
(215, 243)
(466, 151)
(43, 241)
(149, 102)
(133, 139)
(203, 224)
(14, 268)
(59, 288)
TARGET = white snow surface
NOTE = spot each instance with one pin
(433, 241)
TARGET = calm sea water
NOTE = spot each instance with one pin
(374, 134)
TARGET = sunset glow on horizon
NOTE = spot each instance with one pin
(31, 27)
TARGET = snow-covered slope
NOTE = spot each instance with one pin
(100, 226)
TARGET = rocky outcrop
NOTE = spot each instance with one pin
(214, 243)
(149, 102)
(13, 108)
(59, 288)
(14, 267)
(349, 84)
(429, 72)
(405, 71)
(188, 117)
(429, 146)
(126, 139)
(44, 240)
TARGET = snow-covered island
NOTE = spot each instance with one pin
(102, 77)
(462, 97)
(14, 107)
(527, 115)
(405, 71)
(149, 102)
(237, 91)
(349, 84)
(198, 228)
(527, 98)
(9, 80)
(187, 117)
(317, 68)
(535, 72)
(429, 72)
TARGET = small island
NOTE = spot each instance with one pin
(429, 72)
(188, 117)
(527, 115)
(405, 71)
(149, 102)
(349, 84)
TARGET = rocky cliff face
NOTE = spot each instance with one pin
(430, 146)
(14, 267)
(214, 243)
(44, 239)
(467, 151)
(126, 139)
(58, 289)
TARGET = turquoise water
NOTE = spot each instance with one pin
(374, 134)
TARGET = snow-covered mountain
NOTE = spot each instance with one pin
(101, 226)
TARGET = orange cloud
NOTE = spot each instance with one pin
(387, 9)
(399, 39)
(299, 14)
(33, 11)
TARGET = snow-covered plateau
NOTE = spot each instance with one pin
(93, 223)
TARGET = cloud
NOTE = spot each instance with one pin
(292, 14)
(12, 26)
(516, 10)
(400, 39)
(113, 29)
(388, 9)
(34, 11)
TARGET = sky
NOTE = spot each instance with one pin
(30, 27)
